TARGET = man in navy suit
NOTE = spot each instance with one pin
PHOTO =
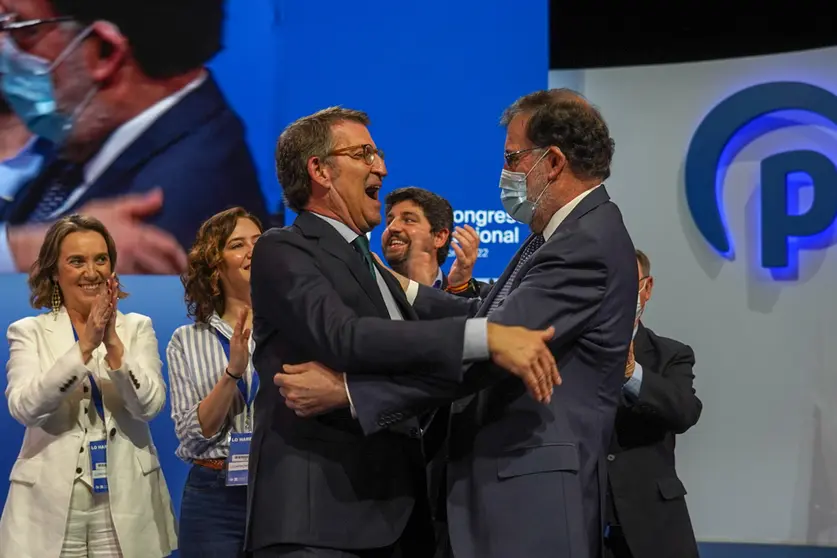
(146, 141)
(320, 487)
(526, 479)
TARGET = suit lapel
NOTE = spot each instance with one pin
(59, 332)
(486, 304)
(331, 241)
(190, 113)
(397, 293)
(643, 348)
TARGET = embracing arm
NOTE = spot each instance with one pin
(564, 288)
(293, 295)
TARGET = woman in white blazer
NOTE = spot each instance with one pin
(85, 380)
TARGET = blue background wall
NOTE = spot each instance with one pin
(434, 77)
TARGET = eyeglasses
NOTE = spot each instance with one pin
(368, 153)
(513, 157)
(24, 32)
(9, 22)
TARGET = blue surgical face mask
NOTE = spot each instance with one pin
(27, 85)
(513, 194)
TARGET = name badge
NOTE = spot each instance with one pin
(239, 458)
(99, 465)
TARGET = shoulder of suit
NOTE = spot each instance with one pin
(31, 322)
(133, 319)
(673, 344)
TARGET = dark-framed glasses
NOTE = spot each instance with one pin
(366, 152)
(513, 157)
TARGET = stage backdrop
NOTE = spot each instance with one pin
(719, 166)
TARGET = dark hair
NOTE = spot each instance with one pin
(167, 37)
(437, 209)
(644, 262)
(310, 136)
(41, 283)
(202, 279)
(563, 118)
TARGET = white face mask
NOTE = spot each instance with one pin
(639, 310)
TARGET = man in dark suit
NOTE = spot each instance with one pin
(647, 514)
(418, 239)
(319, 487)
(146, 141)
(526, 479)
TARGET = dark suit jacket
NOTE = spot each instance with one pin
(524, 478)
(195, 152)
(320, 481)
(648, 496)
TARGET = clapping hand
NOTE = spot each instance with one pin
(466, 249)
(240, 346)
(98, 321)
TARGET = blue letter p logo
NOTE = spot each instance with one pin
(727, 129)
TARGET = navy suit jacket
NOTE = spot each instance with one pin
(319, 481)
(195, 152)
(647, 495)
(525, 478)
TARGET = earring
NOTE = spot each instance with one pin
(56, 299)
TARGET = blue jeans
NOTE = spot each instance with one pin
(213, 516)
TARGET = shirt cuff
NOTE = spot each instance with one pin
(412, 292)
(634, 383)
(349, 396)
(476, 340)
(7, 262)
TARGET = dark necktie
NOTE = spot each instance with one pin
(65, 179)
(534, 243)
(361, 244)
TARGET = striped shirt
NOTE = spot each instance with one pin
(196, 361)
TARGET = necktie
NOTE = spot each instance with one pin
(361, 244)
(65, 179)
(534, 243)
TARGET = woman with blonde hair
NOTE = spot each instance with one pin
(85, 380)
(213, 385)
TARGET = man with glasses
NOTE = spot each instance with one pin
(526, 479)
(646, 508)
(318, 486)
(121, 90)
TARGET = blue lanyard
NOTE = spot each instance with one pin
(242, 383)
(95, 394)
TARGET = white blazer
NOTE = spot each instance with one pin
(45, 372)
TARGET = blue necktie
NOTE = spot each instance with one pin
(66, 179)
(534, 243)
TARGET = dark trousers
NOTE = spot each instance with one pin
(213, 516)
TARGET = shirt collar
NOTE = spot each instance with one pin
(348, 234)
(220, 325)
(440, 280)
(563, 213)
(128, 132)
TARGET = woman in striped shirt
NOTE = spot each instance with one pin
(213, 385)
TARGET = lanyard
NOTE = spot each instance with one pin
(95, 394)
(242, 383)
